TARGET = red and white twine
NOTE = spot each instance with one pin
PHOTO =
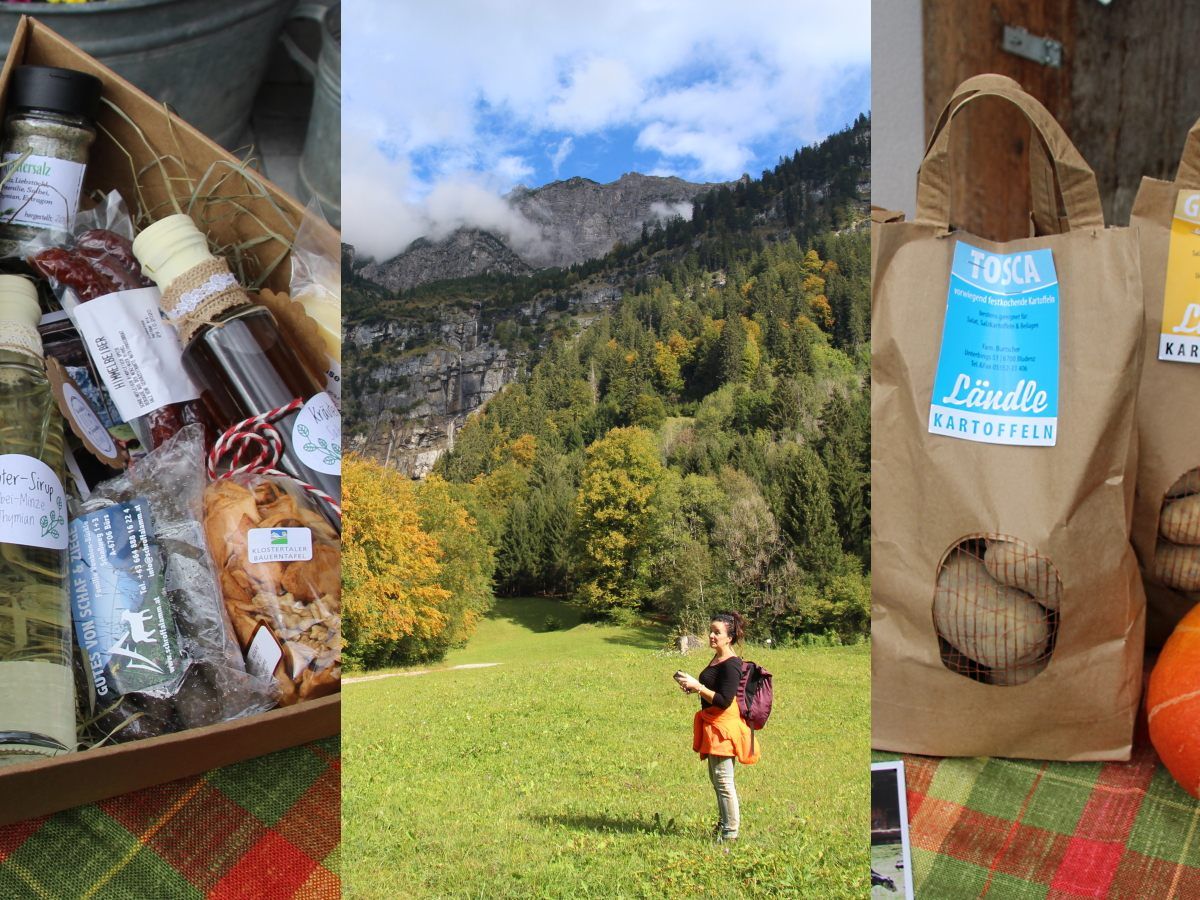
(255, 446)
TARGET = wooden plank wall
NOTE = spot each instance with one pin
(1126, 94)
(1135, 92)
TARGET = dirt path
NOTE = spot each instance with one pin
(418, 672)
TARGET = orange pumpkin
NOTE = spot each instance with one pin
(1173, 703)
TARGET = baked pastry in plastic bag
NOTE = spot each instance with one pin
(279, 566)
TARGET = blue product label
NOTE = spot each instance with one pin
(123, 621)
(997, 373)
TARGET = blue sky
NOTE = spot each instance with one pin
(447, 106)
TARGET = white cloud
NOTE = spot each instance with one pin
(512, 169)
(717, 154)
(381, 216)
(601, 92)
(461, 203)
(561, 152)
(666, 211)
(377, 216)
(459, 87)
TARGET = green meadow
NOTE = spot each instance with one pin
(567, 771)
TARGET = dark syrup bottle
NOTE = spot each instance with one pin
(235, 353)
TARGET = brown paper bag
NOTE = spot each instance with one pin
(1168, 423)
(1046, 663)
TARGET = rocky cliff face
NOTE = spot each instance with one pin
(414, 382)
(409, 403)
(577, 219)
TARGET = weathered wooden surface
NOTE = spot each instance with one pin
(1126, 94)
(961, 40)
(1135, 92)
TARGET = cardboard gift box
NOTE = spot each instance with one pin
(149, 155)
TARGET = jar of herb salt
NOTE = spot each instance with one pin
(47, 134)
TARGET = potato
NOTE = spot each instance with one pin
(1188, 483)
(995, 625)
(1020, 675)
(1180, 520)
(1177, 566)
(1018, 567)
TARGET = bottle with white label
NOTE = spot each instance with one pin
(235, 353)
(48, 132)
(37, 690)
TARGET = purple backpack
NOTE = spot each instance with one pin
(754, 696)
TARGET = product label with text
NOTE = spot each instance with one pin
(1180, 337)
(89, 423)
(41, 191)
(997, 373)
(317, 435)
(268, 545)
(123, 620)
(136, 352)
(33, 508)
(264, 653)
(333, 380)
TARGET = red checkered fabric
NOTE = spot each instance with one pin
(1018, 828)
(265, 828)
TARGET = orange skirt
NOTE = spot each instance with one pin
(723, 732)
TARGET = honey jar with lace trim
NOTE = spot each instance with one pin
(235, 353)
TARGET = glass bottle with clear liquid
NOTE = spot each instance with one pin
(37, 690)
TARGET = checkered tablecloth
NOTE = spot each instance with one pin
(1023, 829)
(268, 827)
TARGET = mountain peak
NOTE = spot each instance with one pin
(576, 219)
(465, 252)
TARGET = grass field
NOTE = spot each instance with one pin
(567, 771)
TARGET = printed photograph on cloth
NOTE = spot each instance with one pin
(891, 863)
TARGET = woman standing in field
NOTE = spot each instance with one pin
(719, 733)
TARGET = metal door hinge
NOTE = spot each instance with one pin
(1044, 50)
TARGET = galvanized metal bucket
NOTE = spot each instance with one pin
(321, 161)
(206, 58)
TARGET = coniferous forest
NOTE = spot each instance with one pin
(704, 444)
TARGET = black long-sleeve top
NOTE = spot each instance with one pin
(723, 680)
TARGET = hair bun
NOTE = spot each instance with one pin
(739, 627)
(735, 625)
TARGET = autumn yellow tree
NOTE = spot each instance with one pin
(618, 522)
(468, 561)
(813, 288)
(390, 564)
(667, 356)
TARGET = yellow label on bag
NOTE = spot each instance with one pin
(1180, 338)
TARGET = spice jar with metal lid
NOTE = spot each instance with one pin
(48, 132)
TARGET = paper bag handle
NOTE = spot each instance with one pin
(1043, 193)
(1189, 163)
(972, 85)
(1074, 177)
